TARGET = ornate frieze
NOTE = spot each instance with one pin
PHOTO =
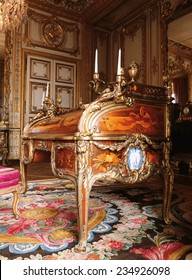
(70, 5)
(179, 50)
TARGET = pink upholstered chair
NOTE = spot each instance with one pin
(9, 183)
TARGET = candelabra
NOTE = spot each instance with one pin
(120, 81)
(96, 83)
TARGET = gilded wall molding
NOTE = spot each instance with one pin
(170, 10)
(179, 50)
(17, 77)
(7, 71)
(154, 65)
(52, 33)
(179, 61)
(154, 40)
(131, 30)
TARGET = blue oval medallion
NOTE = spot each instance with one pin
(134, 158)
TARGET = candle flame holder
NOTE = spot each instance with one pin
(96, 82)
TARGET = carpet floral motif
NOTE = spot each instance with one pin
(123, 225)
(48, 220)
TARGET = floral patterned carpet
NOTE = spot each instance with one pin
(124, 223)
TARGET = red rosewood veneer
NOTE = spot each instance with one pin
(123, 136)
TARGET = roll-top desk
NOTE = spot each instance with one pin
(124, 136)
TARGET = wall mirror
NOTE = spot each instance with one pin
(180, 58)
(177, 51)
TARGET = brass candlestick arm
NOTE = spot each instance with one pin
(120, 79)
(96, 83)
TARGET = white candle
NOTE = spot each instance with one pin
(43, 98)
(96, 61)
(119, 64)
(47, 92)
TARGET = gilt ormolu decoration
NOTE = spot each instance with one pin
(124, 136)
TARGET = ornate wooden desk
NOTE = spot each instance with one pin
(124, 135)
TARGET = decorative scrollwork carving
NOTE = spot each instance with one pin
(135, 138)
(29, 157)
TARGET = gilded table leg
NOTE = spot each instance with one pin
(168, 190)
(168, 182)
(16, 197)
(23, 171)
(83, 190)
(82, 217)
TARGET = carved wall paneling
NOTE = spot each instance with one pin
(86, 70)
(102, 44)
(50, 32)
(13, 89)
(65, 96)
(116, 42)
(40, 69)
(53, 77)
(135, 45)
(14, 143)
(65, 73)
(154, 74)
(7, 71)
(1, 87)
(4, 142)
(36, 97)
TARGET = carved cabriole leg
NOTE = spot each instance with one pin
(82, 211)
(24, 161)
(168, 175)
(168, 190)
(23, 171)
(83, 190)
(16, 197)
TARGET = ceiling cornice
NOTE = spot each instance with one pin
(88, 11)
